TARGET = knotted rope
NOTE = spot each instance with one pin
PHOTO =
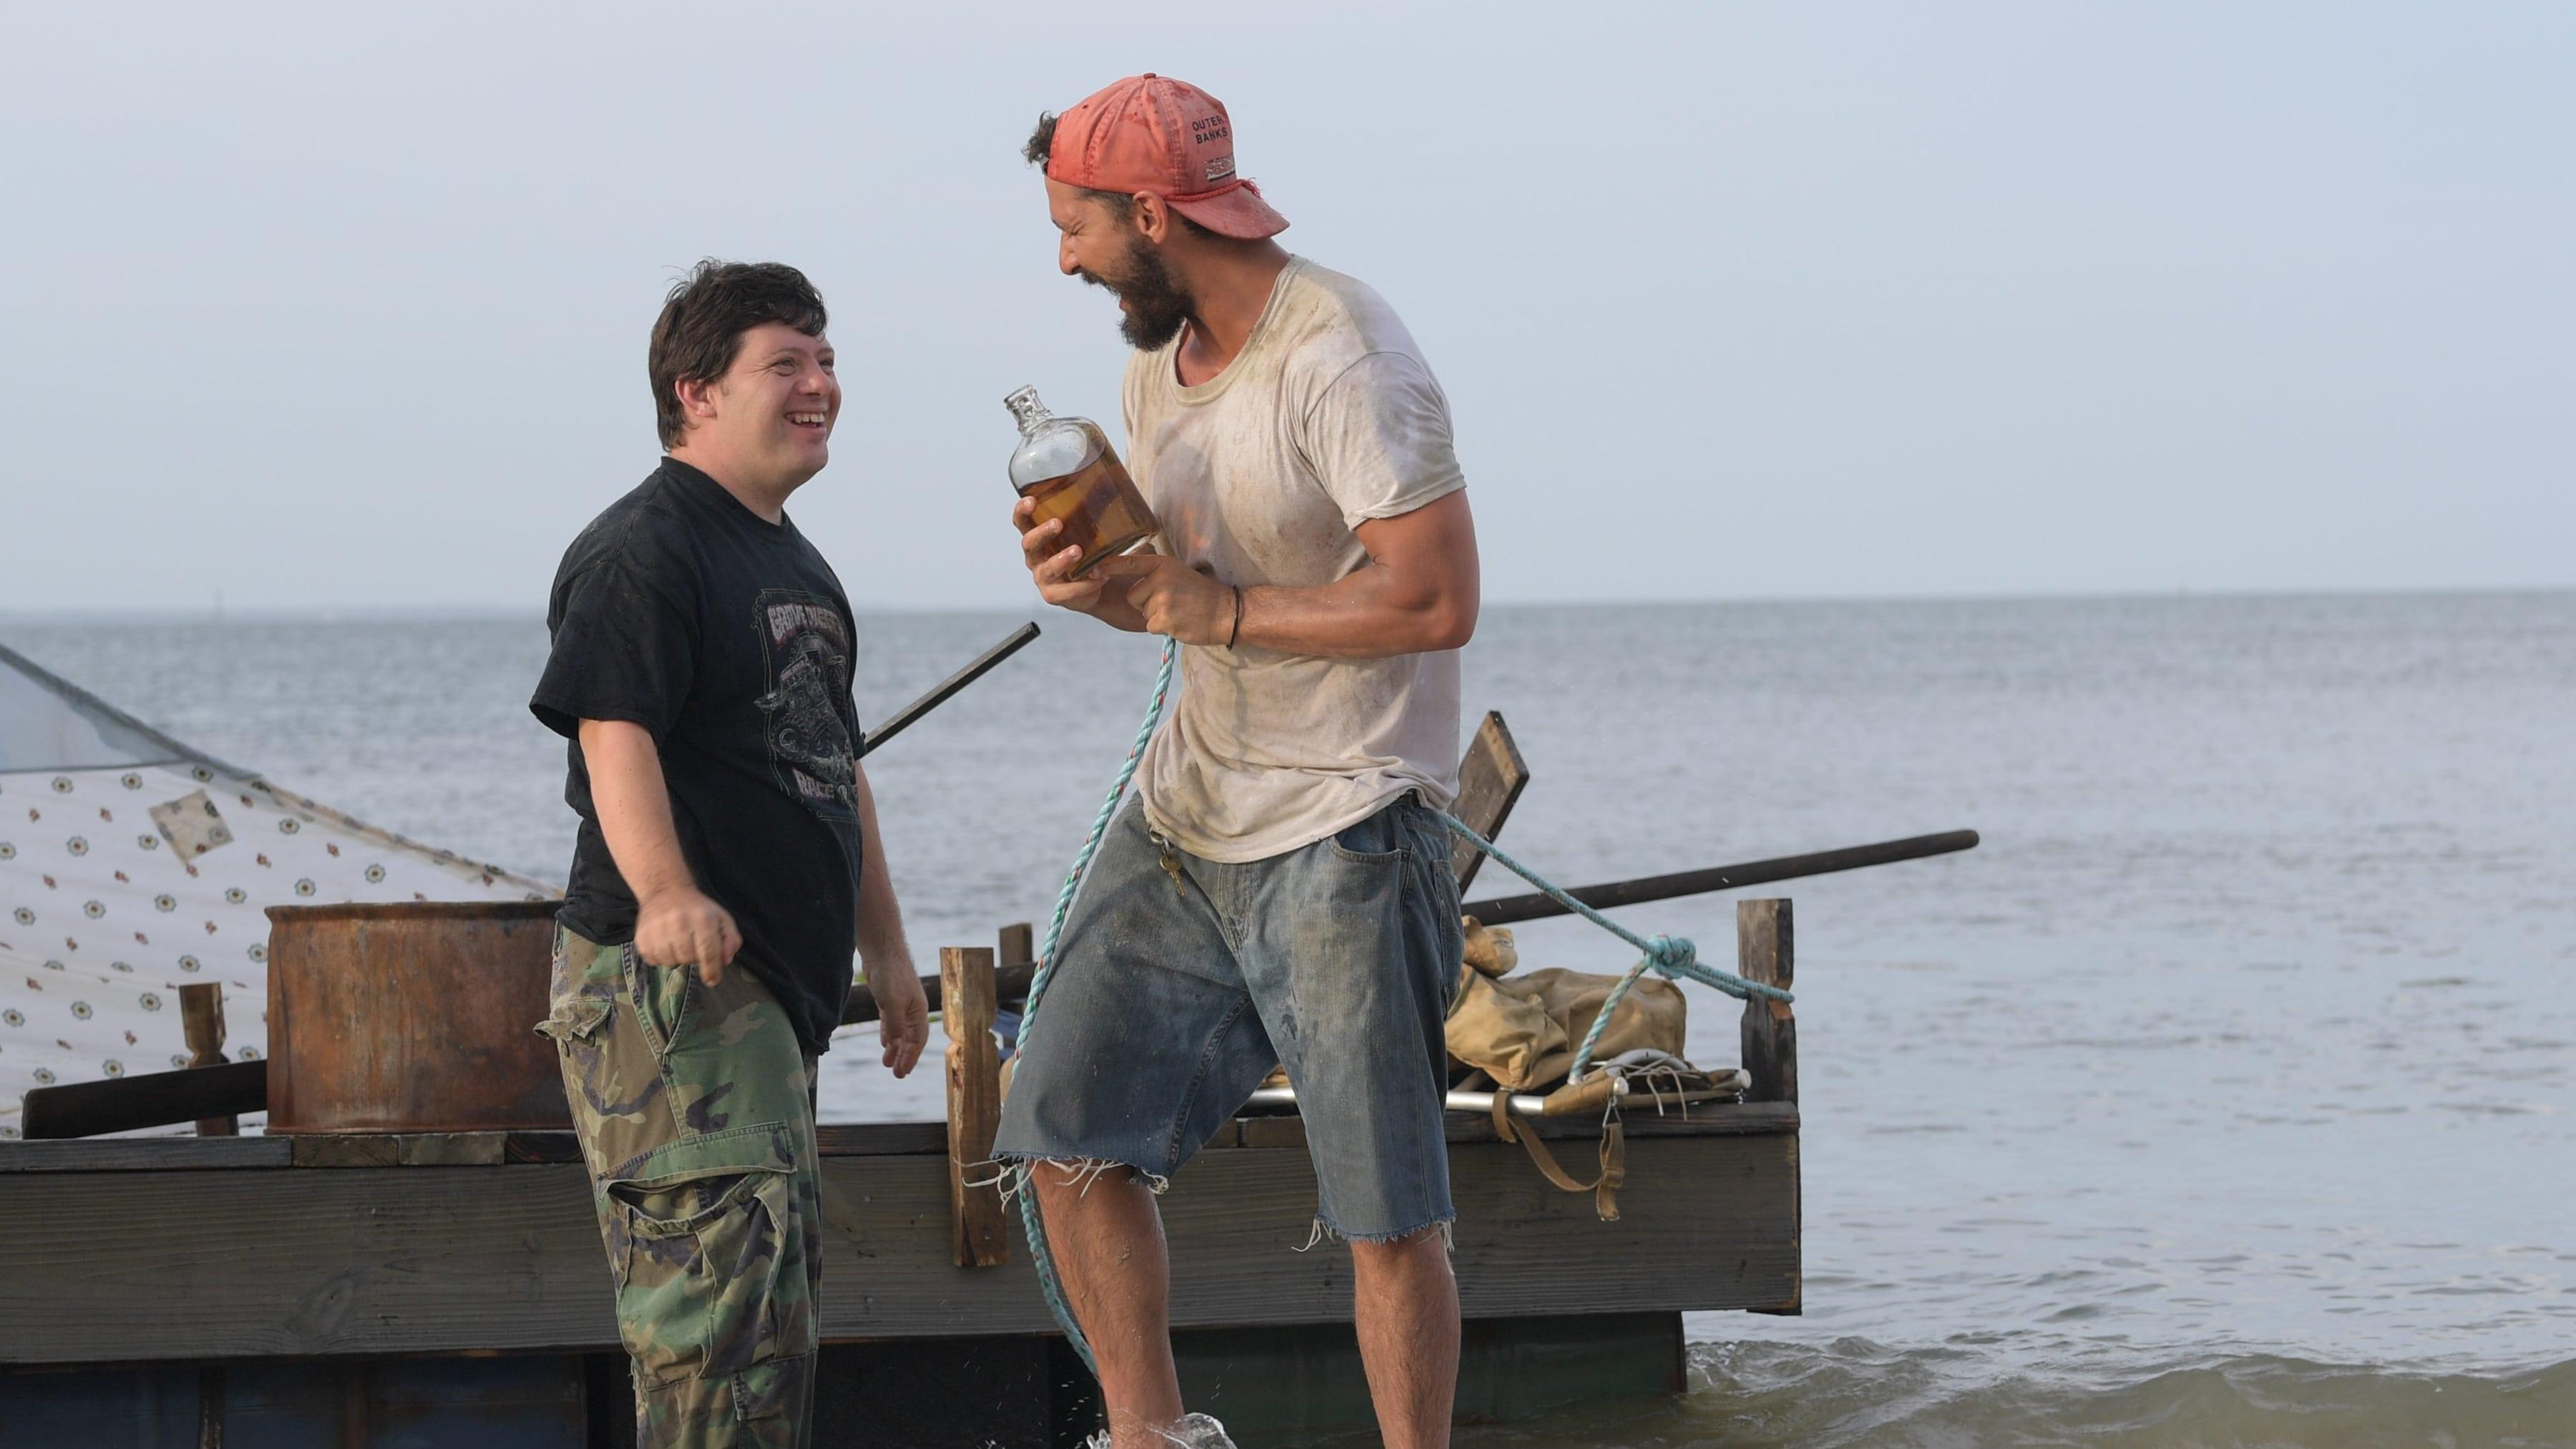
(1671, 955)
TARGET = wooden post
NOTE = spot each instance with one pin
(201, 1014)
(1018, 949)
(1764, 953)
(981, 1237)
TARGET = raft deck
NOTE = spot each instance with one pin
(449, 1289)
(203, 1248)
(255, 1250)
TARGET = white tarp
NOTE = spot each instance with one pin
(132, 865)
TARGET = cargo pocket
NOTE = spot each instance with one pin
(582, 990)
(773, 1390)
(712, 1279)
(575, 1021)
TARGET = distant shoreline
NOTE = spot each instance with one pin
(439, 613)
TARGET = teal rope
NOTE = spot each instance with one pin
(1029, 1219)
(1671, 955)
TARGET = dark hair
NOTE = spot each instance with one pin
(700, 330)
(1121, 206)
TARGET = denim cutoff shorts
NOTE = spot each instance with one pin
(1177, 988)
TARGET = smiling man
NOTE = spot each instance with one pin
(727, 864)
(1280, 892)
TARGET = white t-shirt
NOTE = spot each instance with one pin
(1326, 419)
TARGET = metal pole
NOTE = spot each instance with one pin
(1505, 910)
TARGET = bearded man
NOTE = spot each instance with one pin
(1279, 891)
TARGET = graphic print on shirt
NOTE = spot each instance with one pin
(806, 649)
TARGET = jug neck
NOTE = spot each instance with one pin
(1026, 410)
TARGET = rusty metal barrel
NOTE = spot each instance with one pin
(411, 1017)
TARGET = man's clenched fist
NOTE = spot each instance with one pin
(683, 927)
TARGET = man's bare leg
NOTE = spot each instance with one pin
(1405, 1302)
(1107, 1237)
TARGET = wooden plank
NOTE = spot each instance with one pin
(836, 1139)
(1795, 1304)
(449, 1149)
(1728, 1119)
(839, 1139)
(201, 1019)
(144, 1100)
(1490, 778)
(1765, 952)
(1018, 952)
(1018, 947)
(346, 1149)
(979, 1237)
(124, 1267)
(400, 1149)
(882, 1139)
(527, 1146)
(145, 1154)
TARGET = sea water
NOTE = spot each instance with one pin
(2226, 1094)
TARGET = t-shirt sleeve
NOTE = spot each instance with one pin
(622, 650)
(1379, 439)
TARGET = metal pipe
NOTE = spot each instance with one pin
(939, 695)
(1505, 910)
(1480, 1103)
(1010, 983)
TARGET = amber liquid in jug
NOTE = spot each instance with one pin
(1067, 468)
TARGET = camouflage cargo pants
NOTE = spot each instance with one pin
(696, 1119)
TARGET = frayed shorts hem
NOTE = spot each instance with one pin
(1446, 1225)
(1019, 1167)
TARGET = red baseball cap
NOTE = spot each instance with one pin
(1151, 133)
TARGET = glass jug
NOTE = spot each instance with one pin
(1068, 468)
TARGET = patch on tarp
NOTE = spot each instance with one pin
(191, 824)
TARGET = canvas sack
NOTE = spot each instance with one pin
(1522, 1030)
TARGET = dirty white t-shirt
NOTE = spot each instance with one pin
(1328, 418)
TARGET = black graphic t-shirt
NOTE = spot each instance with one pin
(729, 639)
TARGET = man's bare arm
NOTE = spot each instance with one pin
(1419, 591)
(903, 1011)
(676, 924)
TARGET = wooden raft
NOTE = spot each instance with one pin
(268, 1247)
(130, 1250)
(222, 1248)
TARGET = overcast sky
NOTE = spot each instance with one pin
(345, 307)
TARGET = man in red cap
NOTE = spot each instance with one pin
(1279, 892)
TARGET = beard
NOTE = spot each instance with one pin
(1157, 303)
